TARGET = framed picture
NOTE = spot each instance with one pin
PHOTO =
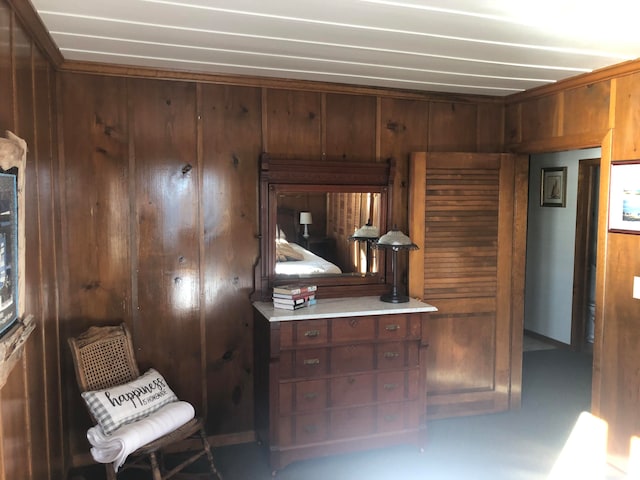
(553, 187)
(624, 197)
(13, 152)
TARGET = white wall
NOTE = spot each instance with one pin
(551, 235)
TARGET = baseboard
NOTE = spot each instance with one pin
(549, 340)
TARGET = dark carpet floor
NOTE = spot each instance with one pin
(517, 445)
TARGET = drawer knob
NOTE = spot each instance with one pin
(392, 328)
(312, 361)
(310, 396)
(391, 354)
(312, 333)
(390, 386)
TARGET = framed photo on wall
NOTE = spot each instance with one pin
(553, 187)
(624, 197)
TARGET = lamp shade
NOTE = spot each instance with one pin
(396, 239)
(367, 231)
(305, 218)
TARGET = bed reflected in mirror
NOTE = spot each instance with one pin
(314, 233)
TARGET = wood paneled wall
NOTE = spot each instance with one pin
(148, 215)
(31, 432)
(159, 212)
(593, 110)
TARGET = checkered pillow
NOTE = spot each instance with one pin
(126, 403)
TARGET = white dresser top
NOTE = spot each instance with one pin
(342, 307)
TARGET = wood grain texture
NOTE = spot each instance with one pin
(404, 129)
(6, 69)
(25, 447)
(167, 323)
(467, 262)
(626, 141)
(230, 246)
(88, 262)
(453, 127)
(293, 122)
(616, 380)
(351, 126)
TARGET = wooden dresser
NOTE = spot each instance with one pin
(345, 374)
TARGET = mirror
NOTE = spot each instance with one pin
(314, 232)
(310, 209)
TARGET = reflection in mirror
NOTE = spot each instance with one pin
(329, 249)
(336, 197)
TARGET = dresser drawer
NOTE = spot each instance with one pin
(353, 329)
(311, 362)
(302, 429)
(352, 390)
(303, 333)
(397, 355)
(398, 416)
(303, 396)
(352, 422)
(352, 358)
(397, 386)
(399, 327)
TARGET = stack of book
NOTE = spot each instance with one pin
(293, 297)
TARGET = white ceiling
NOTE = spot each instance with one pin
(487, 47)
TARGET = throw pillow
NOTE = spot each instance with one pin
(126, 403)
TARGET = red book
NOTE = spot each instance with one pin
(294, 289)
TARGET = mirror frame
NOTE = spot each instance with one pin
(282, 174)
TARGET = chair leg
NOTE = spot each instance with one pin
(111, 473)
(155, 468)
(207, 449)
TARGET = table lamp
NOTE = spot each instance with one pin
(395, 241)
(305, 219)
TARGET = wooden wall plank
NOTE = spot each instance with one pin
(6, 70)
(351, 126)
(586, 109)
(540, 118)
(15, 433)
(453, 127)
(404, 129)
(293, 122)
(491, 121)
(51, 428)
(166, 327)
(626, 142)
(231, 119)
(95, 246)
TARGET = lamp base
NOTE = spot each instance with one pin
(394, 298)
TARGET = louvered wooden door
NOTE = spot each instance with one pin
(468, 216)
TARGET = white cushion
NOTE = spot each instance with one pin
(126, 403)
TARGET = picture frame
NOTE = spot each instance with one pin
(553, 187)
(624, 197)
(13, 155)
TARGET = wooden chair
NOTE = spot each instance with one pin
(104, 357)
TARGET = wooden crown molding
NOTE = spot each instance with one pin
(600, 75)
(268, 82)
(32, 22)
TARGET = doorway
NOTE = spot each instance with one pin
(584, 272)
(555, 235)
